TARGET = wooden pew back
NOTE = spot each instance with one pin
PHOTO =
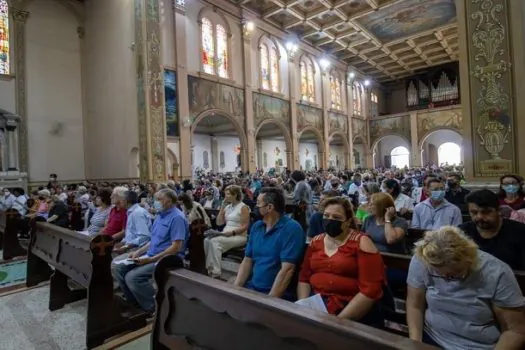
(195, 311)
(10, 223)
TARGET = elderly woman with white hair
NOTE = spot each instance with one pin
(460, 297)
(116, 223)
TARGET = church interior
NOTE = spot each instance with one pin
(133, 105)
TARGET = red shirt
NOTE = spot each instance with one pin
(516, 205)
(116, 221)
(340, 277)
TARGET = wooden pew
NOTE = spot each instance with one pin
(197, 312)
(9, 227)
(87, 261)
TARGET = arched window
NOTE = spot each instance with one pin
(374, 105)
(269, 56)
(4, 37)
(449, 153)
(214, 48)
(356, 97)
(400, 157)
(335, 92)
(307, 79)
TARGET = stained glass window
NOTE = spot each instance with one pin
(265, 71)
(274, 69)
(208, 46)
(311, 89)
(304, 81)
(356, 96)
(335, 92)
(222, 52)
(4, 37)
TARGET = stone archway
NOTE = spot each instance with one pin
(319, 159)
(243, 152)
(344, 163)
(381, 154)
(431, 141)
(262, 148)
(360, 152)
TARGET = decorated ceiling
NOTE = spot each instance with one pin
(383, 39)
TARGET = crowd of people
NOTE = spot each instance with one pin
(462, 292)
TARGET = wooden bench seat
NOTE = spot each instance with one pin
(197, 312)
(86, 261)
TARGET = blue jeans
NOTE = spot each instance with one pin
(136, 283)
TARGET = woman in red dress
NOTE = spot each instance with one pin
(344, 266)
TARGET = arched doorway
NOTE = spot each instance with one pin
(338, 152)
(218, 144)
(359, 153)
(172, 165)
(431, 143)
(273, 146)
(382, 150)
(400, 157)
(311, 150)
(134, 166)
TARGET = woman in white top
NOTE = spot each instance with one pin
(403, 203)
(236, 215)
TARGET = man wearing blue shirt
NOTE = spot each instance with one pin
(275, 247)
(138, 224)
(168, 235)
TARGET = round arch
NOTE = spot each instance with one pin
(428, 133)
(24, 4)
(376, 142)
(281, 126)
(205, 10)
(346, 145)
(273, 40)
(173, 163)
(318, 136)
(238, 128)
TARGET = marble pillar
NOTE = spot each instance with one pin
(492, 86)
(415, 152)
(214, 155)
(150, 92)
(260, 160)
(12, 159)
(325, 99)
(292, 82)
(20, 19)
(248, 99)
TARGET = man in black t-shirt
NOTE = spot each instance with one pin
(502, 238)
(58, 213)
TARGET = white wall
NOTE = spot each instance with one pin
(361, 149)
(386, 145)
(226, 144)
(337, 152)
(268, 147)
(111, 88)
(54, 92)
(312, 155)
(8, 95)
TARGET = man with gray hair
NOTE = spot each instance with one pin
(116, 224)
(168, 236)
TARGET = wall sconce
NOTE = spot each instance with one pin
(367, 82)
(324, 63)
(248, 28)
(291, 47)
(186, 123)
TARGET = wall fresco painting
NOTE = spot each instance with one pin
(358, 128)
(337, 122)
(170, 96)
(390, 126)
(447, 119)
(268, 107)
(409, 17)
(205, 95)
(309, 116)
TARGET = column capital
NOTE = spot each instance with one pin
(20, 16)
(179, 6)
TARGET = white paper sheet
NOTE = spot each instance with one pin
(314, 302)
(124, 262)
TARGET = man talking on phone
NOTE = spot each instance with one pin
(168, 235)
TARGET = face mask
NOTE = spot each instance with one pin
(157, 205)
(333, 228)
(510, 188)
(437, 195)
(357, 183)
(451, 184)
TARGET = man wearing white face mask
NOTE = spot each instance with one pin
(7, 200)
(436, 211)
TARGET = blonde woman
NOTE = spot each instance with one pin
(460, 297)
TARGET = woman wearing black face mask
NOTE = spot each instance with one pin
(344, 266)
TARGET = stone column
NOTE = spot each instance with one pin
(20, 19)
(260, 159)
(150, 91)
(183, 107)
(11, 146)
(214, 155)
(415, 152)
(248, 99)
(350, 111)
(492, 92)
(325, 97)
(292, 83)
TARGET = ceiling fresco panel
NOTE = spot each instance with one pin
(409, 17)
